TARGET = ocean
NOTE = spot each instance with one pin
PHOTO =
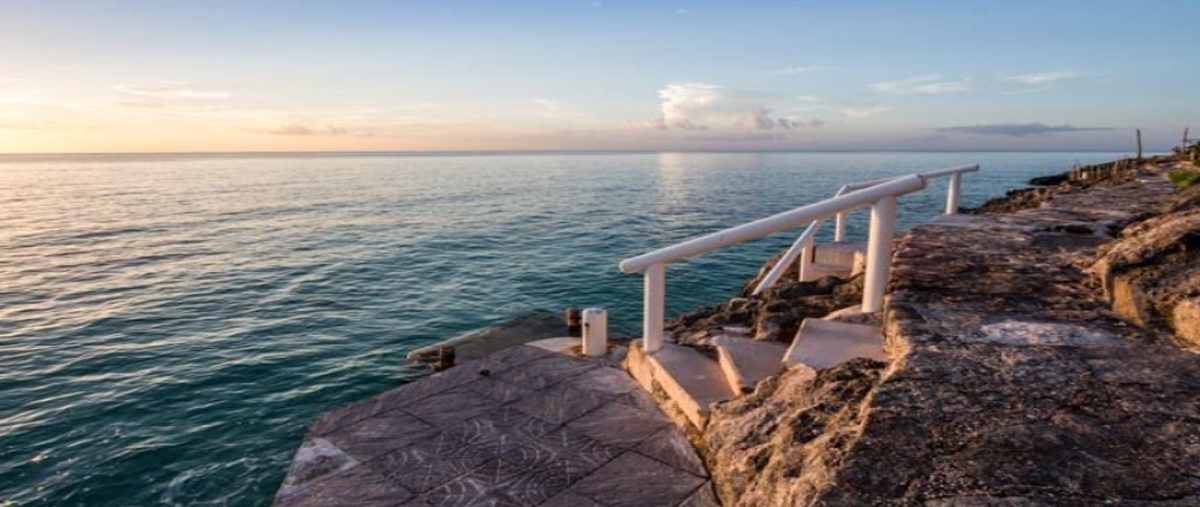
(170, 324)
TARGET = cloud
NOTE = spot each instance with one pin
(1044, 78)
(700, 106)
(758, 118)
(1023, 91)
(864, 111)
(170, 90)
(301, 129)
(1018, 129)
(802, 69)
(929, 85)
(549, 105)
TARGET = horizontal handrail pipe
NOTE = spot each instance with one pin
(805, 239)
(772, 224)
(880, 195)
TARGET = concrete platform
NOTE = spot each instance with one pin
(691, 381)
(822, 344)
(819, 270)
(519, 427)
(839, 252)
(746, 362)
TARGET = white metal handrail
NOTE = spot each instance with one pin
(804, 246)
(880, 195)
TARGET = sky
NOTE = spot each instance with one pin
(91, 76)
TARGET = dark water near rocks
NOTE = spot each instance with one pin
(170, 324)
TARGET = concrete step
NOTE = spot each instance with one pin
(689, 379)
(746, 362)
(823, 344)
(839, 252)
(819, 270)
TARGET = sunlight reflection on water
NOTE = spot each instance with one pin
(170, 324)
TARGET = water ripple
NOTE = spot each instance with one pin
(170, 324)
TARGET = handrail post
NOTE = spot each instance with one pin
(652, 311)
(839, 230)
(879, 253)
(953, 189)
(806, 259)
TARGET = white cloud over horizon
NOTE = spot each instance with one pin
(1043, 78)
(801, 69)
(701, 106)
(170, 90)
(930, 84)
(864, 111)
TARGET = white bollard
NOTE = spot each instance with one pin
(595, 332)
(839, 231)
(652, 308)
(879, 253)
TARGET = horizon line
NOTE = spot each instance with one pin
(536, 152)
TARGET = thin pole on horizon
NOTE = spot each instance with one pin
(1183, 143)
(1139, 142)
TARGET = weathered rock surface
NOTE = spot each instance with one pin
(1101, 175)
(1152, 273)
(782, 444)
(774, 315)
(1012, 382)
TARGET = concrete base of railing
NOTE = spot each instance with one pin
(690, 382)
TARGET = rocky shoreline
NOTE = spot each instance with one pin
(1011, 380)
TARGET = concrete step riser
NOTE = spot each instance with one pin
(823, 344)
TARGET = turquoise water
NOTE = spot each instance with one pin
(170, 324)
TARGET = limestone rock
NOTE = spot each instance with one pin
(783, 443)
(1012, 384)
(1153, 268)
(774, 315)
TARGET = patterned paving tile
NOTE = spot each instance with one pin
(491, 432)
(640, 400)
(604, 380)
(633, 480)
(388, 400)
(566, 454)
(428, 464)
(546, 372)
(502, 432)
(465, 491)
(618, 425)
(513, 357)
(414, 391)
(498, 483)
(316, 459)
(569, 499)
(672, 447)
(380, 434)
(559, 404)
(357, 487)
(703, 497)
(498, 390)
(447, 409)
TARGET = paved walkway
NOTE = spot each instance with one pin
(520, 427)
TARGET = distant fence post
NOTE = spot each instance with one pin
(1139, 141)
